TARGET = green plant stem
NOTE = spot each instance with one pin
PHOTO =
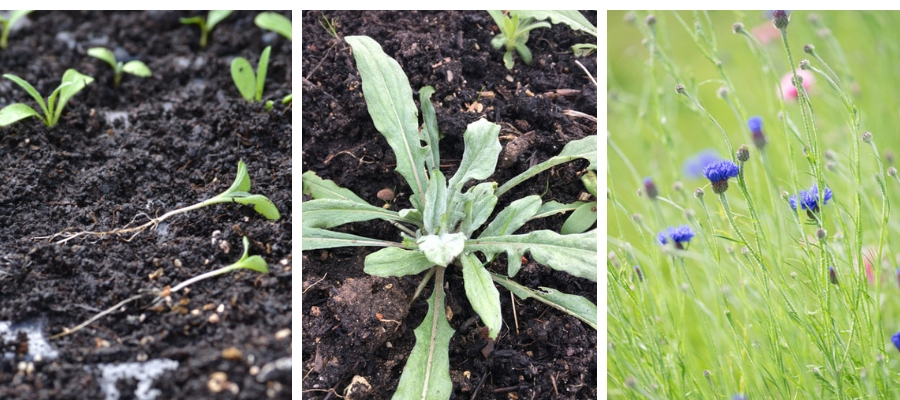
(730, 215)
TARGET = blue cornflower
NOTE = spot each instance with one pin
(678, 235)
(718, 174)
(809, 200)
(739, 396)
(755, 125)
(693, 167)
(896, 340)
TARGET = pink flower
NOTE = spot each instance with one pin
(766, 32)
(787, 88)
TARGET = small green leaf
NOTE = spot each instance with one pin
(513, 217)
(287, 99)
(315, 238)
(261, 71)
(393, 261)
(261, 204)
(78, 81)
(31, 91)
(435, 202)
(216, 16)
(575, 254)
(198, 20)
(582, 148)
(479, 204)
(427, 371)
(524, 52)
(7, 25)
(589, 180)
(482, 293)
(320, 188)
(730, 239)
(243, 77)
(103, 54)
(508, 59)
(430, 133)
(327, 213)
(274, 22)
(255, 263)
(137, 68)
(574, 19)
(576, 306)
(15, 112)
(584, 49)
(581, 220)
(554, 207)
(480, 155)
(442, 249)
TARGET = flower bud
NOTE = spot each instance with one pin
(698, 193)
(722, 92)
(892, 172)
(804, 64)
(640, 274)
(679, 88)
(737, 27)
(867, 137)
(830, 155)
(678, 186)
(650, 188)
(650, 20)
(821, 234)
(809, 49)
(636, 217)
(781, 19)
(743, 154)
(889, 157)
(832, 275)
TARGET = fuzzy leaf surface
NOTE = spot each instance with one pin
(480, 155)
(316, 238)
(430, 132)
(582, 148)
(394, 261)
(442, 249)
(513, 217)
(581, 219)
(327, 213)
(390, 103)
(574, 254)
(576, 306)
(320, 188)
(482, 293)
(574, 19)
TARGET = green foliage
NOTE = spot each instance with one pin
(572, 18)
(206, 24)
(439, 231)
(585, 214)
(274, 22)
(513, 35)
(239, 193)
(7, 24)
(330, 27)
(253, 263)
(134, 67)
(72, 83)
(249, 84)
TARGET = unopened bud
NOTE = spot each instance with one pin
(698, 193)
(785, 195)
(809, 49)
(867, 137)
(729, 249)
(889, 157)
(821, 234)
(804, 64)
(830, 166)
(650, 20)
(832, 275)
(640, 275)
(781, 19)
(892, 172)
(743, 153)
(745, 251)
(678, 186)
(722, 92)
(636, 217)
(830, 155)
(737, 27)
(650, 188)
(706, 373)
(679, 88)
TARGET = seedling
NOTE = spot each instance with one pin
(237, 193)
(330, 27)
(514, 34)
(250, 85)
(274, 22)
(206, 24)
(439, 231)
(7, 24)
(254, 263)
(134, 67)
(72, 83)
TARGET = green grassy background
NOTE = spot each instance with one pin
(773, 327)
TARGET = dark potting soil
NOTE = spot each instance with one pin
(541, 353)
(177, 140)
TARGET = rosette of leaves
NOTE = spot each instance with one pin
(440, 230)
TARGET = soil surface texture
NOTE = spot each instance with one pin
(124, 154)
(541, 353)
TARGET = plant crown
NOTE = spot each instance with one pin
(440, 229)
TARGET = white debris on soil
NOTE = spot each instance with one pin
(38, 347)
(112, 116)
(144, 373)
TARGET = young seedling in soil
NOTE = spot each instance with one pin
(255, 263)
(72, 83)
(134, 67)
(249, 84)
(274, 22)
(237, 193)
(206, 24)
(513, 35)
(572, 18)
(439, 231)
(7, 24)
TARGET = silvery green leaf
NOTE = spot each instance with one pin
(393, 261)
(480, 203)
(554, 207)
(581, 219)
(482, 293)
(582, 148)
(320, 188)
(390, 103)
(513, 216)
(574, 19)
(427, 372)
(442, 249)
(315, 238)
(430, 133)
(412, 215)
(480, 155)
(576, 306)
(435, 202)
(574, 254)
(327, 213)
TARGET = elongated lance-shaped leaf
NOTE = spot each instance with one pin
(430, 133)
(427, 372)
(582, 148)
(574, 19)
(480, 156)
(16, 112)
(78, 81)
(390, 103)
(581, 219)
(216, 16)
(260, 203)
(327, 213)
(435, 202)
(31, 91)
(320, 188)
(274, 22)
(576, 306)
(554, 207)
(105, 55)
(316, 238)
(393, 261)
(513, 217)
(574, 254)
(482, 293)
(261, 70)
(479, 204)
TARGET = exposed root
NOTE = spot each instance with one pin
(99, 315)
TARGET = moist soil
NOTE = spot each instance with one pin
(355, 325)
(178, 141)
